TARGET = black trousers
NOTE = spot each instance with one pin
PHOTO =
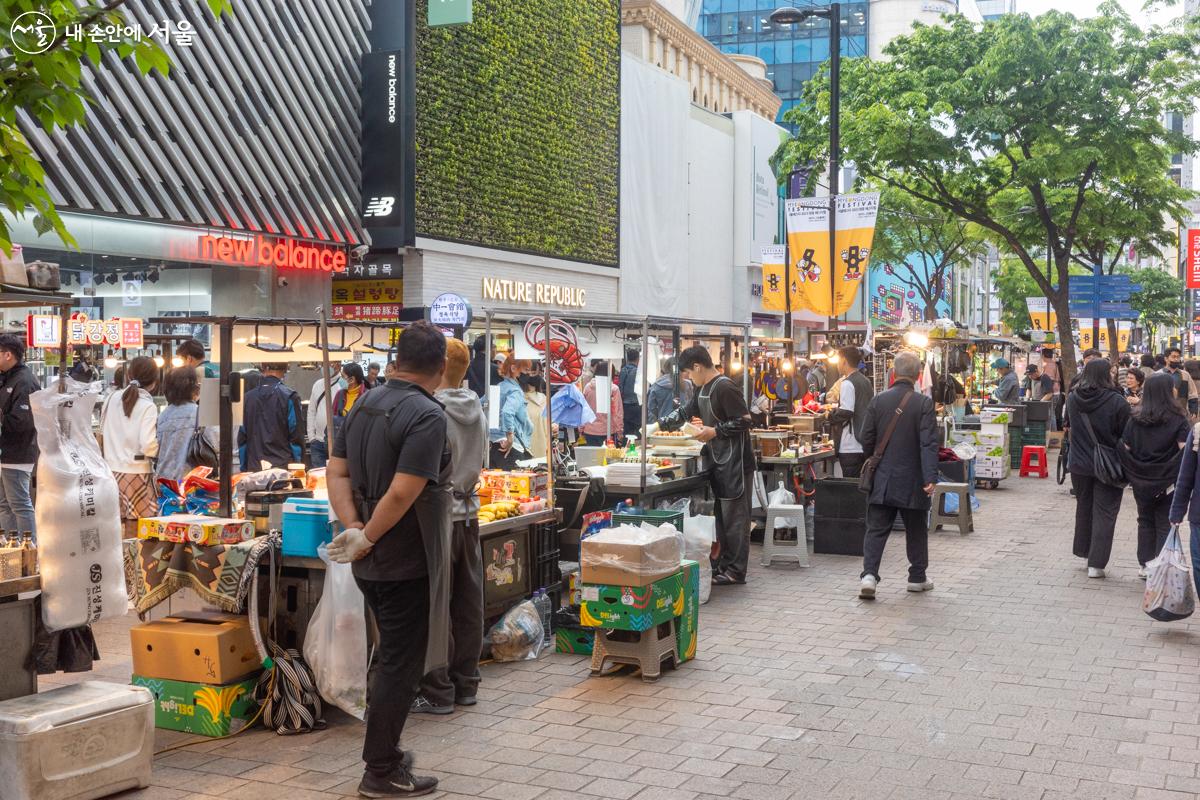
(916, 539)
(733, 532)
(461, 678)
(1096, 507)
(1153, 524)
(401, 610)
(852, 464)
(632, 413)
(502, 460)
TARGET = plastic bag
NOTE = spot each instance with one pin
(1170, 593)
(335, 645)
(780, 496)
(630, 555)
(518, 636)
(698, 535)
(77, 512)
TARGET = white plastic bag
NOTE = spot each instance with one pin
(77, 512)
(780, 496)
(335, 645)
(1170, 593)
(698, 535)
(518, 636)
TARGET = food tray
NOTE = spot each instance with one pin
(659, 439)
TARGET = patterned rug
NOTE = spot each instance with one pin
(154, 570)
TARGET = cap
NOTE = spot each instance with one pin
(1000, 363)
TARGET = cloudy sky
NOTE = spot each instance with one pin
(1088, 8)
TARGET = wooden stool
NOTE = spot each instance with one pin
(644, 649)
(797, 550)
(1034, 461)
(938, 515)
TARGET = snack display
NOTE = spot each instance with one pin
(504, 509)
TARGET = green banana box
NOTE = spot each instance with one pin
(632, 608)
(687, 624)
(206, 709)
(575, 641)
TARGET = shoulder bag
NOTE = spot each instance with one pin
(1106, 464)
(200, 452)
(866, 478)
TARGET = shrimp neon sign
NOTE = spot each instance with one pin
(566, 360)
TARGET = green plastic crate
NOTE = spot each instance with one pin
(652, 516)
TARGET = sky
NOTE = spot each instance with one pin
(1087, 8)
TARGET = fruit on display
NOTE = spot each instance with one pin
(504, 509)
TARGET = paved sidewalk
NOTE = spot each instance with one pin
(1017, 678)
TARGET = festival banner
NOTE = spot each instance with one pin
(808, 239)
(1042, 314)
(1124, 331)
(773, 257)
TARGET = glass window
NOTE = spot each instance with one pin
(766, 51)
(729, 24)
(747, 24)
(854, 46)
(748, 49)
(729, 6)
(783, 79)
(748, 5)
(711, 7)
(820, 49)
(802, 49)
(783, 51)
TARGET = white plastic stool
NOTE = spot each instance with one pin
(797, 550)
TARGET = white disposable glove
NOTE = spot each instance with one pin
(651, 429)
(349, 545)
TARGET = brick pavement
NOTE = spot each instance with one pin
(1017, 678)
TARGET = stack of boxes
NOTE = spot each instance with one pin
(992, 443)
(498, 484)
(201, 667)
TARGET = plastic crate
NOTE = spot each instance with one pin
(546, 573)
(652, 516)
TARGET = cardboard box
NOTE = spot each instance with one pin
(993, 466)
(206, 709)
(526, 484)
(1000, 416)
(11, 563)
(196, 528)
(200, 646)
(628, 556)
(576, 641)
(687, 624)
(574, 594)
(632, 608)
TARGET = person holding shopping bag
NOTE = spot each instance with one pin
(1151, 449)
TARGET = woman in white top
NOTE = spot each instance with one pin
(129, 424)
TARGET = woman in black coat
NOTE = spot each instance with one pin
(1095, 406)
(1151, 449)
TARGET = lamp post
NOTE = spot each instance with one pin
(790, 15)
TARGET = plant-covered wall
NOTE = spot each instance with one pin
(518, 128)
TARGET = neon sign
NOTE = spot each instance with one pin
(262, 251)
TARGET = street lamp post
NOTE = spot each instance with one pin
(790, 15)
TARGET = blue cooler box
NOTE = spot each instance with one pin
(305, 526)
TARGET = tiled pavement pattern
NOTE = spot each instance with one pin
(1017, 678)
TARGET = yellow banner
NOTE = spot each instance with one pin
(773, 298)
(818, 288)
(1124, 331)
(1041, 314)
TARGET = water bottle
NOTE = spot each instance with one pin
(541, 601)
(810, 520)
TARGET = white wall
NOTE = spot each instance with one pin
(710, 193)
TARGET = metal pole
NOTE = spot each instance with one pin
(835, 89)
(549, 435)
(746, 364)
(487, 382)
(225, 415)
(324, 321)
(642, 405)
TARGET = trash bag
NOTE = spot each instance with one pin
(335, 645)
(77, 512)
(1170, 594)
(518, 635)
(698, 535)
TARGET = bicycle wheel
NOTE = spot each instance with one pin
(1062, 462)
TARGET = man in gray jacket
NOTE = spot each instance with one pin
(466, 431)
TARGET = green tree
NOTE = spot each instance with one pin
(920, 244)
(1013, 285)
(1018, 125)
(41, 70)
(1159, 302)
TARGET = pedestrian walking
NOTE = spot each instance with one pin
(1146, 365)
(900, 428)
(352, 385)
(1186, 501)
(129, 427)
(18, 436)
(372, 377)
(1124, 364)
(628, 384)
(317, 424)
(178, 423)
(272, 429)
(1151, 450)
(389, 480)
(1135, 379)
(598, 431)
(1184, 386)
(466, 432)
(850, 414)
(719, 408)
(511, 441)
(1096, 415)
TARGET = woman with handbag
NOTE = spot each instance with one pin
(182, 443)
(129, 425)
(1151, 449)
(1096, 416)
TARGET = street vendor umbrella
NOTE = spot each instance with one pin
(569, 408)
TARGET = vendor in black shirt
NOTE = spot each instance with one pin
(720, 409)
(389, 484)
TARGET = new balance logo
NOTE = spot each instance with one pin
(379, 207)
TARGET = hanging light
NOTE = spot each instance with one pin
(159, 361)
(916, 339)
(176, 361)
(110, 361)
(786, 365)
(735, 365)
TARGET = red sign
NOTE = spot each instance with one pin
(263, 251)
(1193, 258)
(43, 330)
(386, 312)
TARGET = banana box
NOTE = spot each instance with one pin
(687, 624)
(203, 708)
(633, 608)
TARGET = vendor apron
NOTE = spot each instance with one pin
(433, 506)
(724, 458)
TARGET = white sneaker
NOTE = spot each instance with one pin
(1095, 572)
(866, 589)
(921, 587)
(1143, 574)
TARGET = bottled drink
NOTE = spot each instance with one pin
(29, 565)
(541, 601)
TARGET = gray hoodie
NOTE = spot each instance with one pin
(466, 429)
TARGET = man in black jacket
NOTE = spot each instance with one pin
(628, 385)
(18, 437)
(272, 422)
(905, 477)
(851, 413)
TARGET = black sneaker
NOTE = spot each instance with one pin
(406, 758)
(465, 700)
(421, 705)
(401, 783)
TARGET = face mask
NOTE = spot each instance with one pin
(343, 383)
(1174, 364)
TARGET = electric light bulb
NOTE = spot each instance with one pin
(159, 361)
(176, 361)
(110, 362)
(786, 365)
(735, 365)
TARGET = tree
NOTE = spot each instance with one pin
(1159, 302)
(1019, 125)
(1013, 285)
(921, 243)
(41, 68)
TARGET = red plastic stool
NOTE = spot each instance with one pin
(1030, 454)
